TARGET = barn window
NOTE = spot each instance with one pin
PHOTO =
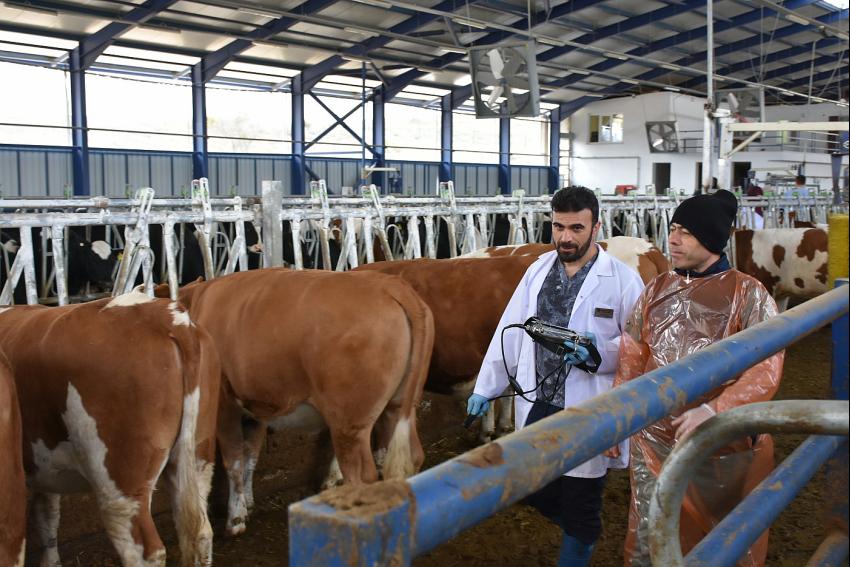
(606, 128)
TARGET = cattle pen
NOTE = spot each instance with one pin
(393, 523)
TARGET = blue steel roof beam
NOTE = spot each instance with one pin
(314, 74)
(624, 25)
(824, 76)
(744, 43)
(94, 45)
(804, 66)
(684, 37)
(756, 62)
(217, 60)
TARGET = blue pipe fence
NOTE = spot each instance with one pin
(390, 523)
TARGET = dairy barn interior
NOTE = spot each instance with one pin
(275, 147)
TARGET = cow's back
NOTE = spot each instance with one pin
(467, 297)
(13, 499)
(789, 262)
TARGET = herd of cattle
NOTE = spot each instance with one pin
(255, 349)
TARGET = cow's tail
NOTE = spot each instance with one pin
(186, 478)
(404, 454)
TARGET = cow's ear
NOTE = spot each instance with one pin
(161, 291)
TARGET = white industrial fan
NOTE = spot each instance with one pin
(662, 136)
(504, 80)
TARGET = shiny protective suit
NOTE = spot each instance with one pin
(674, 317)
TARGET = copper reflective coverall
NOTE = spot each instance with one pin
(674, 317)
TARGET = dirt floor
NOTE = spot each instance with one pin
(517, 536)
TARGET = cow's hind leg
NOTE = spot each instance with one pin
(354, 453)
(398, 450)
(231, 445)
(254, 433)
(45, 513)
(505, 406)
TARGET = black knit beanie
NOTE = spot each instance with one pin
(709, 218)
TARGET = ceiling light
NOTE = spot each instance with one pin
(460, 50)
(469, 22)
(355, 58)
(376, 3)
(551, 41)
(842, 36)
(671, 67)
(422, 69)
(630, 81)
(594, 95)
(579, 71)
(269, 43)
(258, 12)
(613, 55)
(30, 8)
(358, 31)
(720, 78)
(797, 19)
(164, 29)
(672, 89)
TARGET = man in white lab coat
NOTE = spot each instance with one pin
(579, 286)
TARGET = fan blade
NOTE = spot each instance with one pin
(496, 63)
(517, 82)
(495, 94)
(513, 63)
(487, 79)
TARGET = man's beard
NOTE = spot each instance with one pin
(566, 256)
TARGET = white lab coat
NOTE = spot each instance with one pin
(610, 284)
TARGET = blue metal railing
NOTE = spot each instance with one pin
(392, 522)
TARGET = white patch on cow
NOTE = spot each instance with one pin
(116, 510)
(205, 476)
(237, 511)
(486, 252)
(505, 408)
(57, 470)
(4, 309)
(303, 418)
(102, 249)
(135, 297)
(793, 266)
(248, 482)
(399, 463)
(334, 477)
(178, 316)
(627, 249)
(20, 561)
(45, 519)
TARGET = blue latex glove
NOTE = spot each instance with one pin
(579, 353)
(477, 405)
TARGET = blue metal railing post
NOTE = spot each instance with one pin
(837, 466)
(456, 495)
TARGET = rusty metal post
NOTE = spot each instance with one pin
(771, 496)
(456, 495)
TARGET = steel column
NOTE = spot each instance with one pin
(299, 162)
(379, 150)
(836, 480)
(200, 159)
(554, 149)
(446, 133)
(505, 156)
(79, 124)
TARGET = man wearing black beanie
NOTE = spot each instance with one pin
(701, 302)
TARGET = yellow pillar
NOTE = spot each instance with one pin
(839, 263)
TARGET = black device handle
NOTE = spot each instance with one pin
(469, 420)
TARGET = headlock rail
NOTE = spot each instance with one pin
(390, 523)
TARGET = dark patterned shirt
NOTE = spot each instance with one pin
(555, 305)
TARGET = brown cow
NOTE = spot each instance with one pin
(113, 393)
(353, 346)
(637, 253)
(13, 496)
(789, 262)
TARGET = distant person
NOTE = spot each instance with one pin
(800, 186)
(758, 218)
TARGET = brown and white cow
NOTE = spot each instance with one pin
(789, 262)
(637, 253)
(353, 346)
(13, 495)
(113, 393)
(468, 295)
